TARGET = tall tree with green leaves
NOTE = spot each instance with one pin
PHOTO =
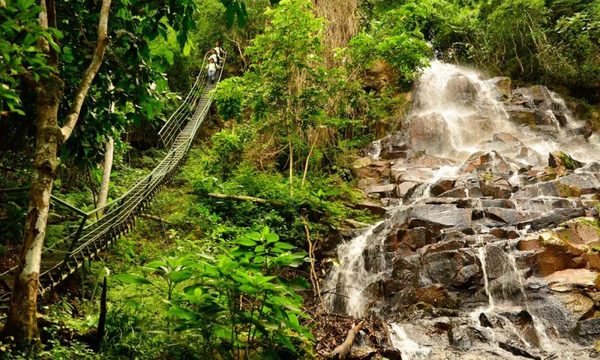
(286, 60)
(48, 79)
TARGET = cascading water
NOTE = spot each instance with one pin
(456, 116)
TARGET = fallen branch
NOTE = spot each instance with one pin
(244, 198)
(155, 218)
(342, 351)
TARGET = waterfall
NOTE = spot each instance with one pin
(463, 119)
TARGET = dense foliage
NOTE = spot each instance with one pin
(224, 271)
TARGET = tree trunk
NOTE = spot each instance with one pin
(109, 149)
(22, 314)
(22, 321)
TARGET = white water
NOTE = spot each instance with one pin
(409, 348)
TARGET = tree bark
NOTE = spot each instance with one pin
(109, 149)
(22, 315)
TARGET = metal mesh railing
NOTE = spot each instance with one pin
(94, 235)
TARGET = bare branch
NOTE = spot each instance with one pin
(90, 73)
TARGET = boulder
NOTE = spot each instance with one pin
(444, 267)
(497, 190)
(556, 217)
(429, 133)
(460, 89)
(508, 139)
(579, 305)
(439, 216)
(502, 87)
(382, 190)
(588, 327)
(405, 187)
(539, 94)
(491, 161)
(441, 186)
(559, 159)
(522, 116)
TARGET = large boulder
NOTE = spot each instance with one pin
(439, 216)
(460, 89)
(429, 132)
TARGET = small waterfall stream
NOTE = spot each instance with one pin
(457, 115)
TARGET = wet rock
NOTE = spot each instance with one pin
(454, 193)
(497, 190)
(391, 353)
(581, 231)
(502, 86)
(508, 139)
(570, 279)
(416, 238)
(429, 133)
(430, 161)
(529, 244)
(485, 321)
(522, 116)
(382, 190)
(491, 161)
(523, 321)
(404, 188)
(508, 216)
(517, 349)
(576, 290)
(461, 89)
(443, 268)
(579, 305)
(460, 337)
(441, 186)
(440, 216)
(588, 327)
(435, 295)
(560, 159)
(373, 207)
(556, 217)
(362, 353)
(554, 258)
(579, 183)
(496, 262)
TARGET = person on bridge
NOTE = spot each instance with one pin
(219, 51)
(212, 70)
(212, 54)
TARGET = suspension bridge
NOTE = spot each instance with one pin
(99, 228)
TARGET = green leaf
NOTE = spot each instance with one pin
(245, 241)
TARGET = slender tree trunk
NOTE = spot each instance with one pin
(22, 321)
(109, 149)
(22, 314)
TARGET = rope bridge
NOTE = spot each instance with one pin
(118, 216)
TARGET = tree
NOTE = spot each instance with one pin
(22, 315)
(287, 62)
(145, 19)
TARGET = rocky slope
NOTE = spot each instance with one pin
(491, 244)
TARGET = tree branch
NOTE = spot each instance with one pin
(90, 73)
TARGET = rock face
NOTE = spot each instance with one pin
(429, 132)
(490, 250)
